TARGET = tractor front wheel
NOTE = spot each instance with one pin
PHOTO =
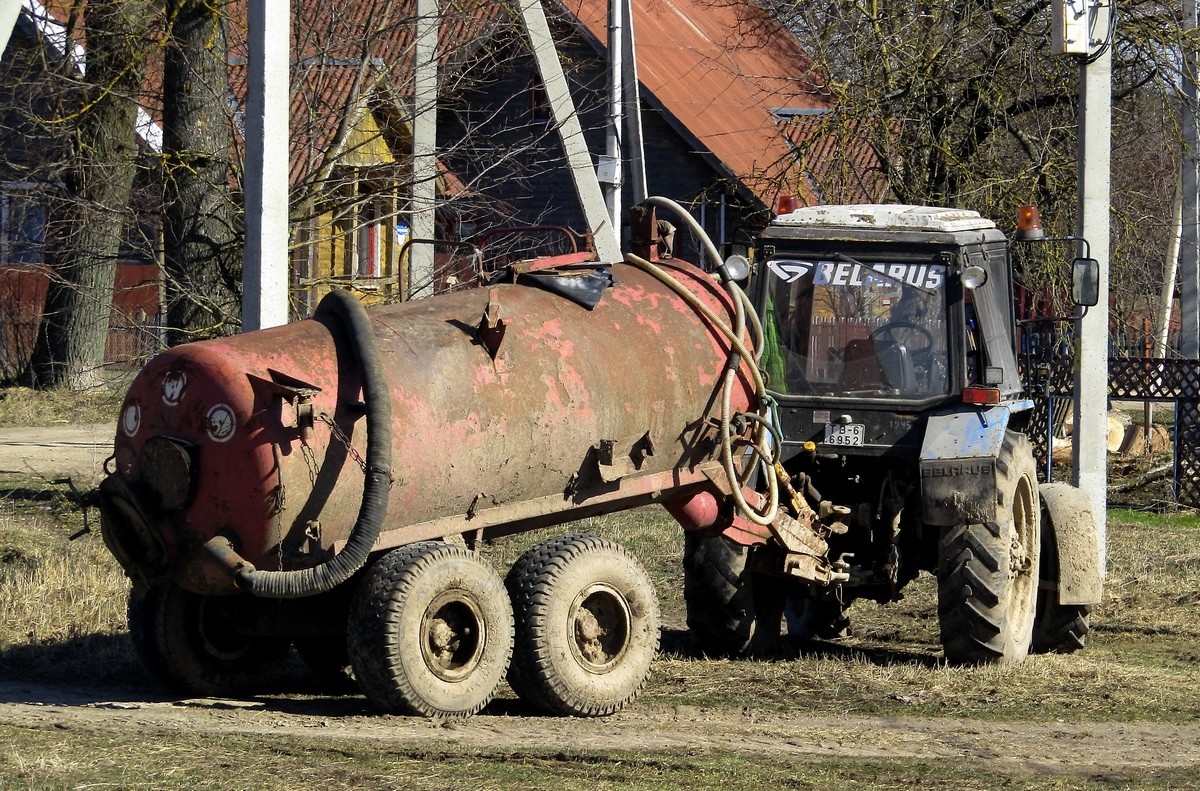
(988, 572)
(731, 609)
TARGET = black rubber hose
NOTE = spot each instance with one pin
(377, 486)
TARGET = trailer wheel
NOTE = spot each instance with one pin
(988, 573)
(186, 640)
(430, 631)
(587, 626)
(731, 611)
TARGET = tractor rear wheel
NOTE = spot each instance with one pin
(188, 641)
(1058, 628)
(731, 610)
(587, 626)
(988, 573)
(430, 631)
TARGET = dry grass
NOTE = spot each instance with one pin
(63, 617)
(22, 407)
(63, 613)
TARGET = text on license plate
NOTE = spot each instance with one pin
(852, 434)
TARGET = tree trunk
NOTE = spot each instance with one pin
(89, 215)
(202, 245)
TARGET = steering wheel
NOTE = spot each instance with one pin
(921, 352)
(917, 341)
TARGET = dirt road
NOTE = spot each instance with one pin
(55, 452)
(1024, 747)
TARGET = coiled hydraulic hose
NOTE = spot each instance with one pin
(376, 489)
(759, 444)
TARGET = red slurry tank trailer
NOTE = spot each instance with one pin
(322, 484)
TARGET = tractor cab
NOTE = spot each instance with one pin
(875, 316)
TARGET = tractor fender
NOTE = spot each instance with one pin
(1069, 532)
(958, 465)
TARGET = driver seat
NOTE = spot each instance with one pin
(898, 370)
(861, 369)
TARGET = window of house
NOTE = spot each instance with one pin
(22, 225)
(371, 245)
(353, 239)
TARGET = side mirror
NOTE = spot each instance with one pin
(1085, 282)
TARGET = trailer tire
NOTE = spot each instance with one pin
(587, 626)
(430, 631)
(988, 572)
(731, 611)
(183, 638)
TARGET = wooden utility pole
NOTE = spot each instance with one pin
(604, 233)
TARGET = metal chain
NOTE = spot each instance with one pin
(341, 437)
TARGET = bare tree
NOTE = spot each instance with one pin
(88, 214)
(961, 104)
(202, 247)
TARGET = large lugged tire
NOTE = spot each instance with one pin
(988, 573)
(1057, 628)
(430, 631)
(185, 640)
(587, 626)
(731, 611)
(1061, 628)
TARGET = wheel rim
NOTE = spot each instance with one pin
(599, 622)
(453, 635)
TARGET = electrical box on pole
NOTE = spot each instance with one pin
(1070, 30)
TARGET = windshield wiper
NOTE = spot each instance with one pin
(843, 257)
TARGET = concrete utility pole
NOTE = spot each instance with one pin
(610, 173)
(1090, 454)
(1189, 241)
(265, 275)
(9, 10)
(635, 175)
(604, 233)
(424, 155)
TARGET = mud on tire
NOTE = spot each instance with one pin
(988, 573)
(430, 631)
(587, 626)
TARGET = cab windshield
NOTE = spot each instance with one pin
(846, 327)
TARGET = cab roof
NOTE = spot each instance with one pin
(883, 216)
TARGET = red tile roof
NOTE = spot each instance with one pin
(721, 69)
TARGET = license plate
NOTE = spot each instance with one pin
(844, 435)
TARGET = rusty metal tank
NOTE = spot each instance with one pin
(511, 407)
